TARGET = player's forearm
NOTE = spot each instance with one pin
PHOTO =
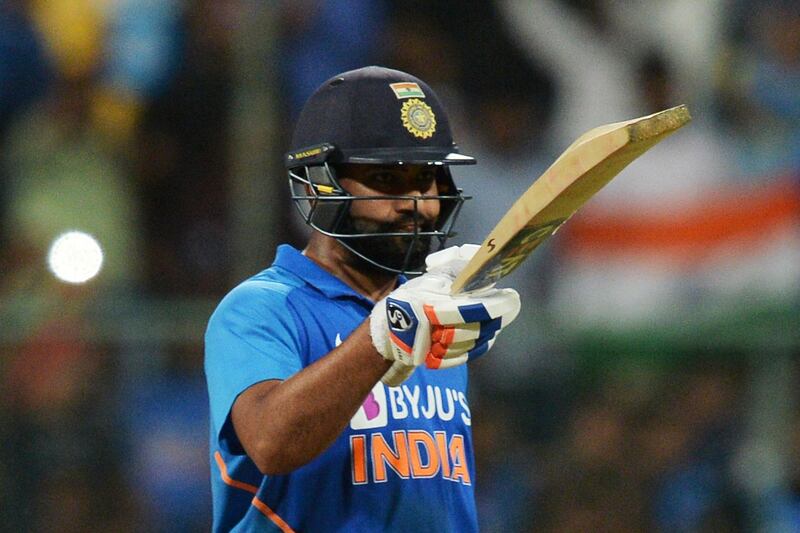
(284, 425)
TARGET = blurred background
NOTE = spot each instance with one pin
(650, 384)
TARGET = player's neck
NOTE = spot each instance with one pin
(336, 259)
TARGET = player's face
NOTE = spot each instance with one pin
(389, 215)
(391, 180)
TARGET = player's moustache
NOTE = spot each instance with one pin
(406, 252)
(407, 223)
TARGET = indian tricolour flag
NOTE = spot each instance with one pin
(735, 250)
(407, 90)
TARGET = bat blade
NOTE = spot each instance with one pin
(580, 171)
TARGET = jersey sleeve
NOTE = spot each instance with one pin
(251, 337)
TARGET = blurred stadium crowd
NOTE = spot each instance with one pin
(652, 381)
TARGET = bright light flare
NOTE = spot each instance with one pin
(75, 257)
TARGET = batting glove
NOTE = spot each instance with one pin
(420, 323)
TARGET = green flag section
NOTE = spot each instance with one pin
(624, 271)
(743, 332)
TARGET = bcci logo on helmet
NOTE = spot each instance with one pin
(399, 318)
(418, 118)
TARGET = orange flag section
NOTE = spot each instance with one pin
(685, 233)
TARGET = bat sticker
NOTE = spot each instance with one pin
(513, 253)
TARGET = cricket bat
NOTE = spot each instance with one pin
(580, 171)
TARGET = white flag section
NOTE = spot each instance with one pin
(734, 251)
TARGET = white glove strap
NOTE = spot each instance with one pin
(397, 374)
(379, 330)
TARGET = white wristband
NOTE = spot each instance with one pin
(378, 330)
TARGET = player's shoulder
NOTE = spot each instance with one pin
(274, 281)
(268, 290)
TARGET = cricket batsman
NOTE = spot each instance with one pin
(337, 386)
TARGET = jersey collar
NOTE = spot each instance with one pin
(291, 259)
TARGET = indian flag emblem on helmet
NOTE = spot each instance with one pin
(407, 89)
(418, 118)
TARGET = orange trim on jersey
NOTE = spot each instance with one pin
(269, 513)
(687, 232)
(252, 489)
(223, 470)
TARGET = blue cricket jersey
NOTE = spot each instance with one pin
(405, 461)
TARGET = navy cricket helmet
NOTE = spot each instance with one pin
(372, 116)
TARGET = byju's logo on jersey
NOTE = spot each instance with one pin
(399, 318)
(373, 413)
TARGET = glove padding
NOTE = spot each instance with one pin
(421, 323)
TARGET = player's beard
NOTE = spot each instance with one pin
(392, 252)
